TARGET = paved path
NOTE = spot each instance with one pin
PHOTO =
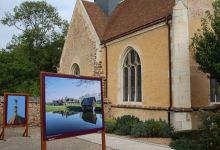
(122, 143)
(15, 141)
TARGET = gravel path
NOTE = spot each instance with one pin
(15, 141)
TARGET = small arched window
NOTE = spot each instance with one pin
(75, 69)
(132, 77)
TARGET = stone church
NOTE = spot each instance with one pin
(141, 49)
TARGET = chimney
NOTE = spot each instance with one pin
(107, 6)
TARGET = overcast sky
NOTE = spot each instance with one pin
(64, 7)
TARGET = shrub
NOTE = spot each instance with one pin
(207, 138)
(157, 128)
(110, 125)
(184, 144)
(138, 130)
(166, 130)
(188, 134)
(210, 137)
(124, 124)
(152, 128)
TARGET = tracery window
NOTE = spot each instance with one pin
(75, 69)
(132, 77)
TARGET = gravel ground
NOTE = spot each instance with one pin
(15, 141)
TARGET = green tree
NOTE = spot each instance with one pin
(37, 48)
(206, 43)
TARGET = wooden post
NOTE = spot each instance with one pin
(25, 134)
(2, 135)
(43, 144)
(43, 141)
(103, 140)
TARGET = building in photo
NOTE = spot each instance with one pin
(141, 48)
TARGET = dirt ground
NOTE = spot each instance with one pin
(15, 141)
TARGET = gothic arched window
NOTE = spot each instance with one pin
(75, 69)
(132, 77)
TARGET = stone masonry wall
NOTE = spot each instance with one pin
(33, 112)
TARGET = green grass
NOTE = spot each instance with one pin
(50, 108)
(74, 107)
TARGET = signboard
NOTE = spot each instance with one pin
(15, 113)
(70, 106)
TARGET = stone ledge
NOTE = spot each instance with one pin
(140, 107)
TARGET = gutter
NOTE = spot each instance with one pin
(135, 30)
(170, 69)
(106, 70)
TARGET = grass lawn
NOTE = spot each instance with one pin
(75, 107)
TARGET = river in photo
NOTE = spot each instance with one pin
(59, 123)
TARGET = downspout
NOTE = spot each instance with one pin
(106, 69)
(170, 69)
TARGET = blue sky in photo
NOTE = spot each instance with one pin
(11, 103)
(64, 8)
(58, 87)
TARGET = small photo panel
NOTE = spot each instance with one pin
(15, 110)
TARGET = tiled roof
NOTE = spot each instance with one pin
(129, 16)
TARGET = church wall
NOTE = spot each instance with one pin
(80, 45)
(199, 81)
(152, 47)
(141, 114)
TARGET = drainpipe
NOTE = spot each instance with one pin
(170, 69)
(106, 69)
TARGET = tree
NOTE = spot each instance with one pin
(206, 43)
(37, 48)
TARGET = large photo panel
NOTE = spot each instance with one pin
(15, 109)
(71, 105)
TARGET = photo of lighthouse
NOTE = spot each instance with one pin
(16, 110)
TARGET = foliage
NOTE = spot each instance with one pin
(130, 125)
(192, 134)
(37, 48)
(125, 123)
(184, 144)
(207, 138)
(110, 125)
(206, 43)
(151, 128)
(138, 130)
(210, 135)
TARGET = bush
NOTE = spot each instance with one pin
(110, 125)
(157, 128)
(138, 130)
(210, 135)
(166, 130)
(124, 124)
(184, 144)
(189, 134)
(207, 138)
(152, 128)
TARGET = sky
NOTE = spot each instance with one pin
(11, 103)
(64, 7)
(58, 87)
